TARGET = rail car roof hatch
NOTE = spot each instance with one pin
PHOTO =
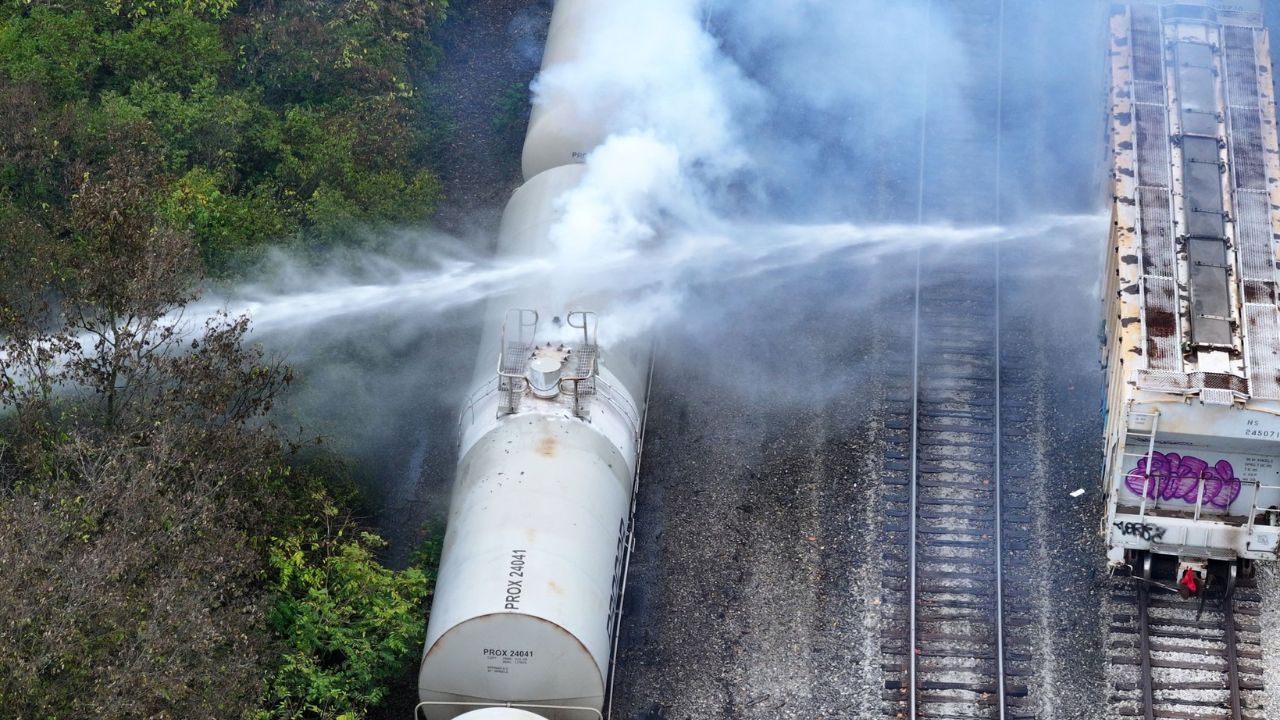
(1196, 89)
(1206, 245)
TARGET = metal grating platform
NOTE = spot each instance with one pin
(1262, 322)
(1240, 58)
(1148, 93)
(1157, 232)
(1153, 145)
(1253, 237)
(1195, 382)
(1246, 149)
(1148, 45)
(1212, 396)
(515, 361)
(1236, 17)
(1161, 321)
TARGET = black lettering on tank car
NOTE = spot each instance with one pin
(515, 586)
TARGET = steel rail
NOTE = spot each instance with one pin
(1144, 641)
(997, 474)
(912, 496)
(1233, 666)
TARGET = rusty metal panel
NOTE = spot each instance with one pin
(1160, 321)
(1262, 349)
(1157, 232)
(1153, 145)
(1202, 187)
(1247, 154)
(1148, 44)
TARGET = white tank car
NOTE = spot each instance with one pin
(562, 130)
(502, 713)
(1192, 468)
(531, 572)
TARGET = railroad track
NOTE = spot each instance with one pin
(955, 639)
(1181, 658)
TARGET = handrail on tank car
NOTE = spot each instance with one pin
(628, 410)
(488, 388)
(517, 706)
(589, 334)
(525, 324)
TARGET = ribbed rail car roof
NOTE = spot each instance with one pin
(1203, 111)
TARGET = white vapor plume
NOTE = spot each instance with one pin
(652, 67)
(649, 283)
(675, 195)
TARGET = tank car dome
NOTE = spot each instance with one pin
(500, 713)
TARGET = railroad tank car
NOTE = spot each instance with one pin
(1192, 348)
(563, 129)
(502, 713)
(531, 573)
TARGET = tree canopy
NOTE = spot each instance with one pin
(271, 120)
(165, 552)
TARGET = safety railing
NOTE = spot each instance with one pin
(417, 711)
(477, 396)
(622, 401)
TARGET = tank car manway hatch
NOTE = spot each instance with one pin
(1192, 465)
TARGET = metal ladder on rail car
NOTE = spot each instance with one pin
(1153, 419)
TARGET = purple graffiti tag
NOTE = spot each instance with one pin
(1177, 477)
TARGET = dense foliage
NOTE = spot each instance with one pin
(351, 625)
(164, 554)
(271, 119)
(161, 556)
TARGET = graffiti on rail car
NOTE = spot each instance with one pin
(1181, 477)
(1150, 533)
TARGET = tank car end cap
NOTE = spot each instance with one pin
(500, 713)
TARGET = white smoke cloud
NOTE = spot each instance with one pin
(667, 200)
(651, 67)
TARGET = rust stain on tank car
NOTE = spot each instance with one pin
(1160, 322)
(555, 587)
(547, 448)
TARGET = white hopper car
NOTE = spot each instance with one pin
(1192, 407)
(526, 602)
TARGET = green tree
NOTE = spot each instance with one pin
(274, 120)
(349, 625)
(139, 478)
